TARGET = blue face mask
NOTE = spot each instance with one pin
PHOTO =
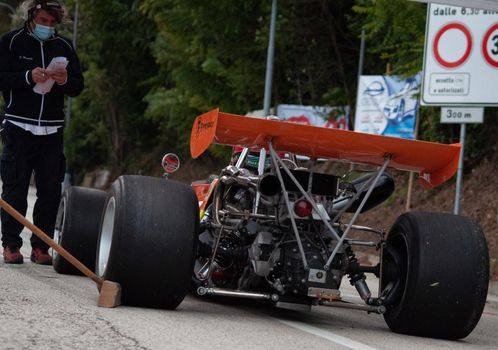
(43, 32)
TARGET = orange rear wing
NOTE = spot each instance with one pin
(435, 163)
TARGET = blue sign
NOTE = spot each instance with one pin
(387, 105)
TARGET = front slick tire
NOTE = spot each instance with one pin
(442, 279)
(147, 240)
(77, 227)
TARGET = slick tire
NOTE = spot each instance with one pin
(147, 240)
(77, 227)
(437, 267)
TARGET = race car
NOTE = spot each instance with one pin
(268, 227)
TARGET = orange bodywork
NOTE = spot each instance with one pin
(435, 163)
(203, 192)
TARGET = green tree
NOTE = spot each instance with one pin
(396, 34)
(9, 17)
(210, 55)
(213, 54)
(108, 124)
(7, 12)
(318, 57)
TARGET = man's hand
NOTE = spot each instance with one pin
(59, 75)
(39, 75)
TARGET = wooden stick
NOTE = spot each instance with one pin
(45, 238)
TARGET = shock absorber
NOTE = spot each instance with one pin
(356, 277)
(227, 250)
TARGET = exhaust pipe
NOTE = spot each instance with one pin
(269, 185)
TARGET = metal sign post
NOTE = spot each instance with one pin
(463, 116)
(456, 208)
(361, 61)
(412, 174)
(269, 60)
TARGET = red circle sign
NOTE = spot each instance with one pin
(465, 56)
(485, 52)
(170, 162)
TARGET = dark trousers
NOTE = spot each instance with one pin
(23, 154)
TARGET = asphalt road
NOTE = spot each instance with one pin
(40, 309)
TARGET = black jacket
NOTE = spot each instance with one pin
(20, 52)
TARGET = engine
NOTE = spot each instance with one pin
(250, 249)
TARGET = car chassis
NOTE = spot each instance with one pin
(321, 296)
(274, 231)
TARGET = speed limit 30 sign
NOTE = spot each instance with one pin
(490, 46)
(461, 57)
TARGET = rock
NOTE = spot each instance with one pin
(102, 178)
(87, 180)
(98, 178)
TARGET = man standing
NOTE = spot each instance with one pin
(34, 88)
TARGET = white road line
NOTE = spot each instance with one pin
(338, 339)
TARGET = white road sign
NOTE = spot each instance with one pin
(482, 4)
(461, 57)
(460, 115)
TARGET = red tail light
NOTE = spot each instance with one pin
(218, 275)
(303, 208)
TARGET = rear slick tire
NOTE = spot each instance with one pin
(77, 227)
(147, 240)
(441, 283)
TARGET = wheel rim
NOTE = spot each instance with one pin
(59, 226)
(398, 255)
(106, 235)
